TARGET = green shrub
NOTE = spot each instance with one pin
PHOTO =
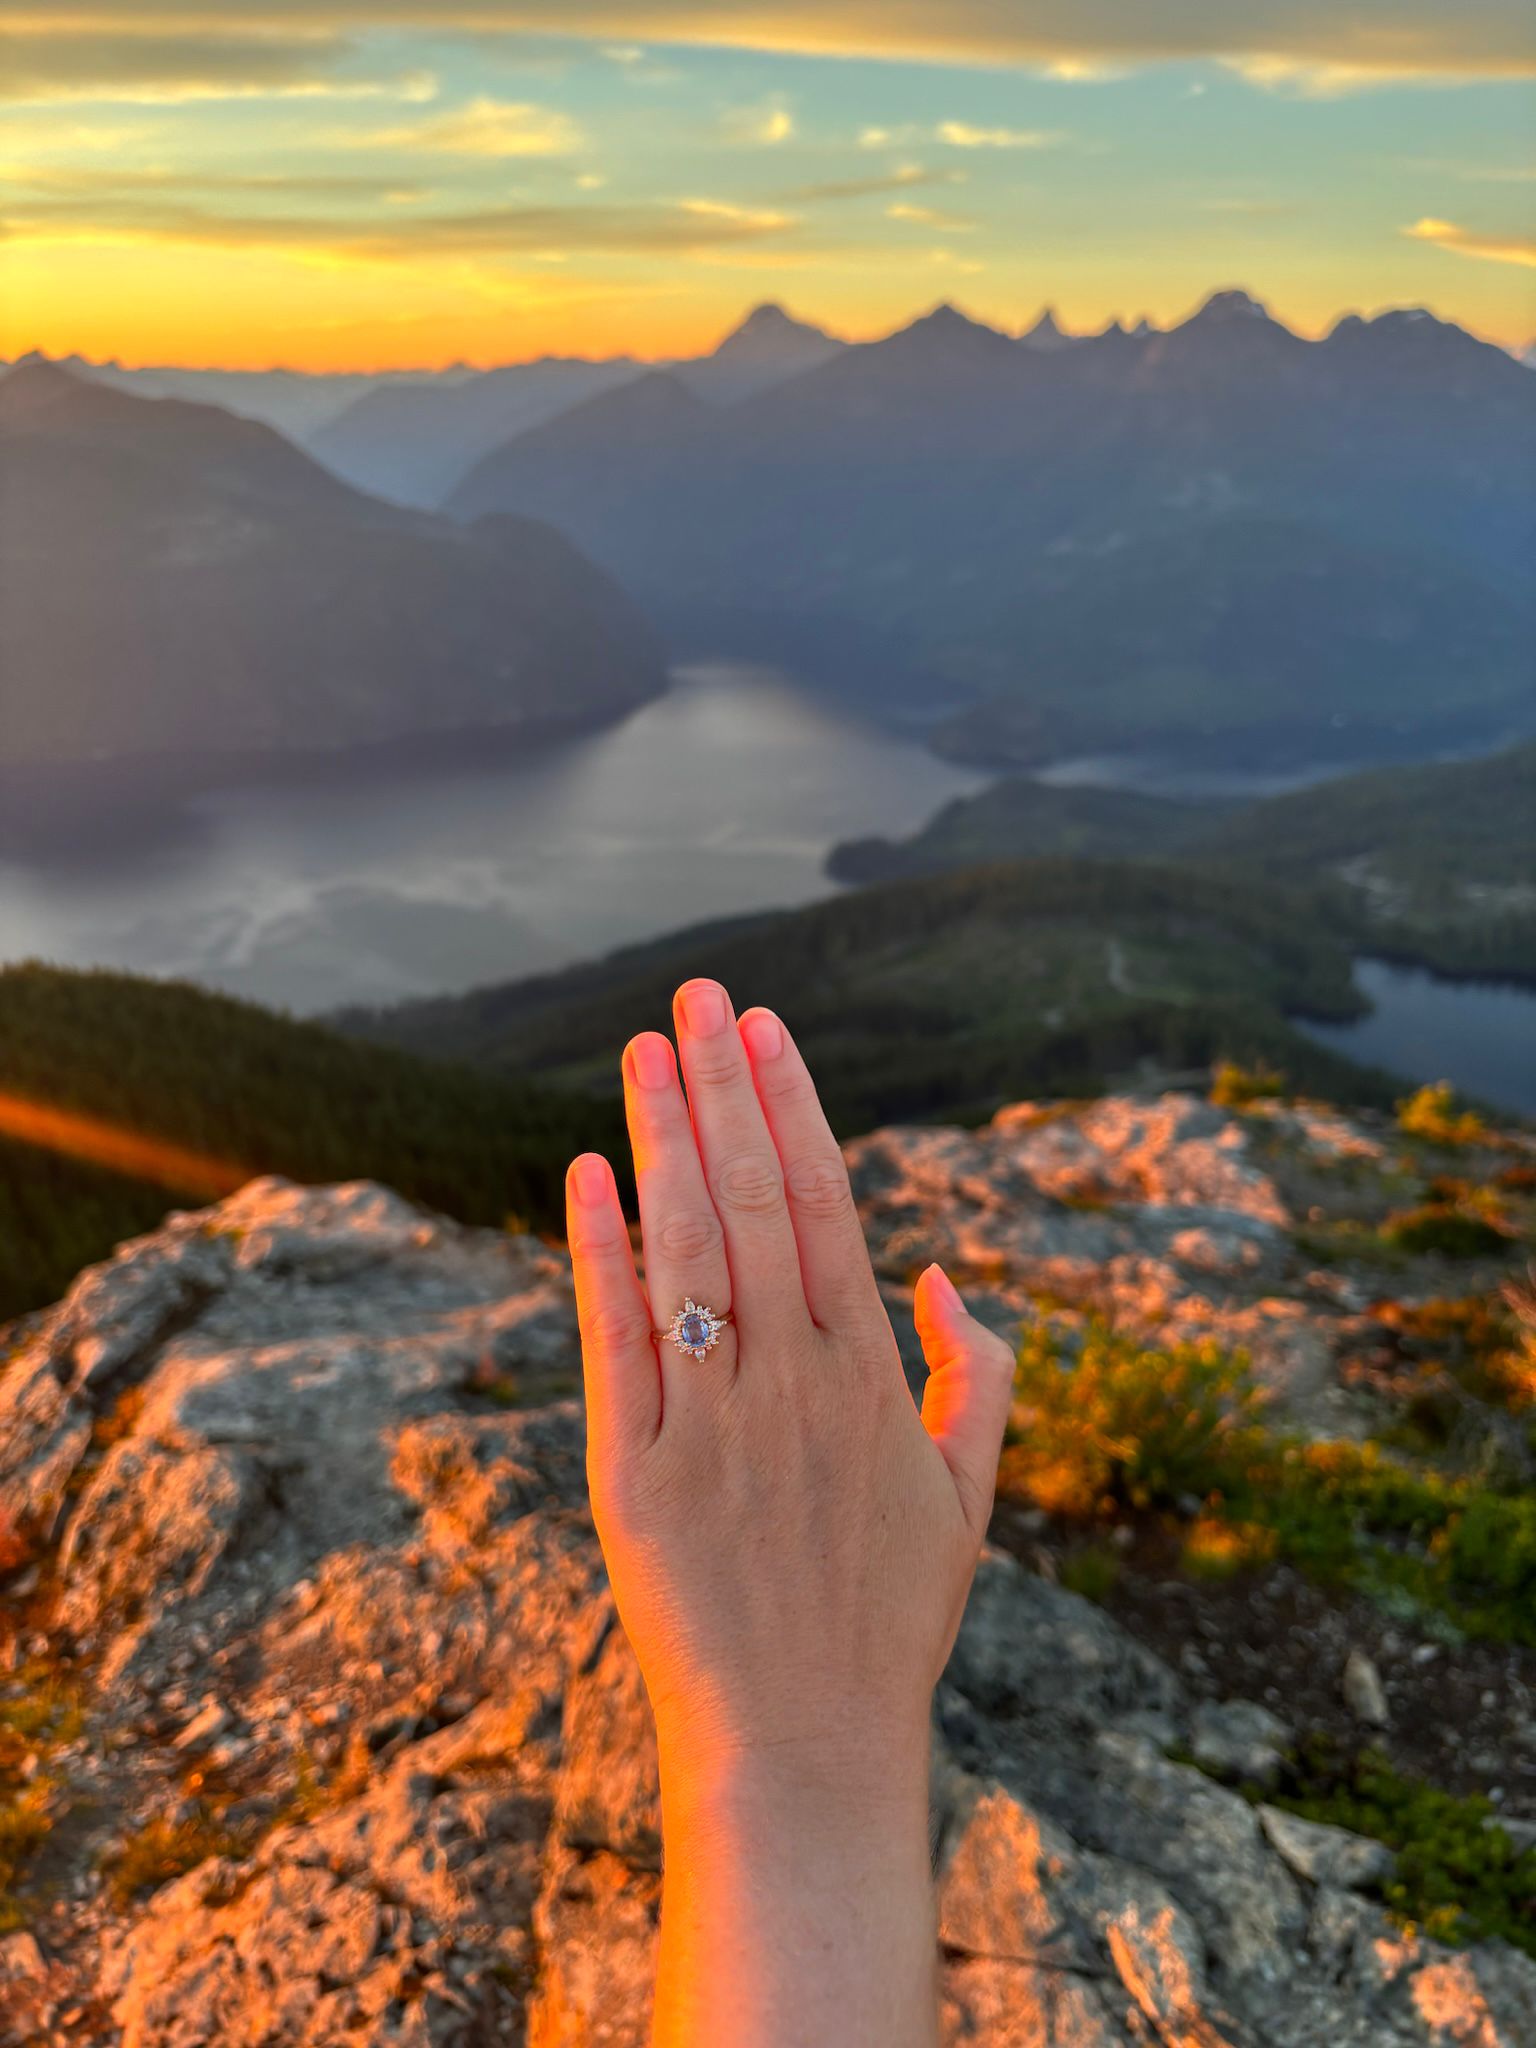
(1235, 1087)
(1452, 1231)
(1457, 1877)
(1124, 1424)
(1431, 1112)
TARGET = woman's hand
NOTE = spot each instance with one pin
(790, 1545)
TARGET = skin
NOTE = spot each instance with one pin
(790, 1543)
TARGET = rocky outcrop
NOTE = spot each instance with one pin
(347, 1651)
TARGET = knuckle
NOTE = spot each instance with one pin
(714, 1064)
(819, 1187)
(613, 1328)
(593, 1244)
(690, 1235)
(750, 1184)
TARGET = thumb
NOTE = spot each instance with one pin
(970, 1382)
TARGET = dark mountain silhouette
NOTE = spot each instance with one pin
(173, 579)
(1075, 538)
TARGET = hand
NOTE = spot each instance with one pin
(790, 1546)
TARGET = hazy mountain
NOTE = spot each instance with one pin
(174, 579)
(621, 450)
(415, 442)
(768, 347)
(1222, 536)
(296, 402)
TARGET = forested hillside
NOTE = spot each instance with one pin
(1434, 863)
(943, 997)
(250, 1093)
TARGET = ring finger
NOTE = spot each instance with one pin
(683, 1241)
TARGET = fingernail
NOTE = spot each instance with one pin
(704, 1008)
(650, 1060)
(940, 1284)
(589, 1178)
(764, 1035)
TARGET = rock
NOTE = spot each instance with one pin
(1522, 1833)
(1327, 1855)
(1240, 1740)
(203, 1727)
(21, 1960)
(1364, 1694)
(1178, 1152)
(1028, 1649)
(314, 1553)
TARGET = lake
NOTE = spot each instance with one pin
(363, 885)
(1481, 1036)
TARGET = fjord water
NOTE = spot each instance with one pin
(1479, 1035)
(358, 887)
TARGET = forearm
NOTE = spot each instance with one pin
(797, 1911)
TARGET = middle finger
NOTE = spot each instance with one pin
(741, 1164)
(684, 1244)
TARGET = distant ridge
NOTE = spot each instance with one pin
(174, 580)
(1219, 536)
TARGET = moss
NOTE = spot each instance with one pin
(26, 1821)
(1093, 1572)
(1458, 1875)
(164, 1848)
(1446, 1229)
(38, 1715)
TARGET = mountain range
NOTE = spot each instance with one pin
(1223, 537)
(1221, 540)
(177, 580)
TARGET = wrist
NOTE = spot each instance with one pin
(844, 1786)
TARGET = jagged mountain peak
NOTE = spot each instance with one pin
(770, 334)
(1231, 306)
(1047, 333)
(946, 326)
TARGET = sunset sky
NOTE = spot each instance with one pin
(411, 183)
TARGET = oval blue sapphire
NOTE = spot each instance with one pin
(694, 1330)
